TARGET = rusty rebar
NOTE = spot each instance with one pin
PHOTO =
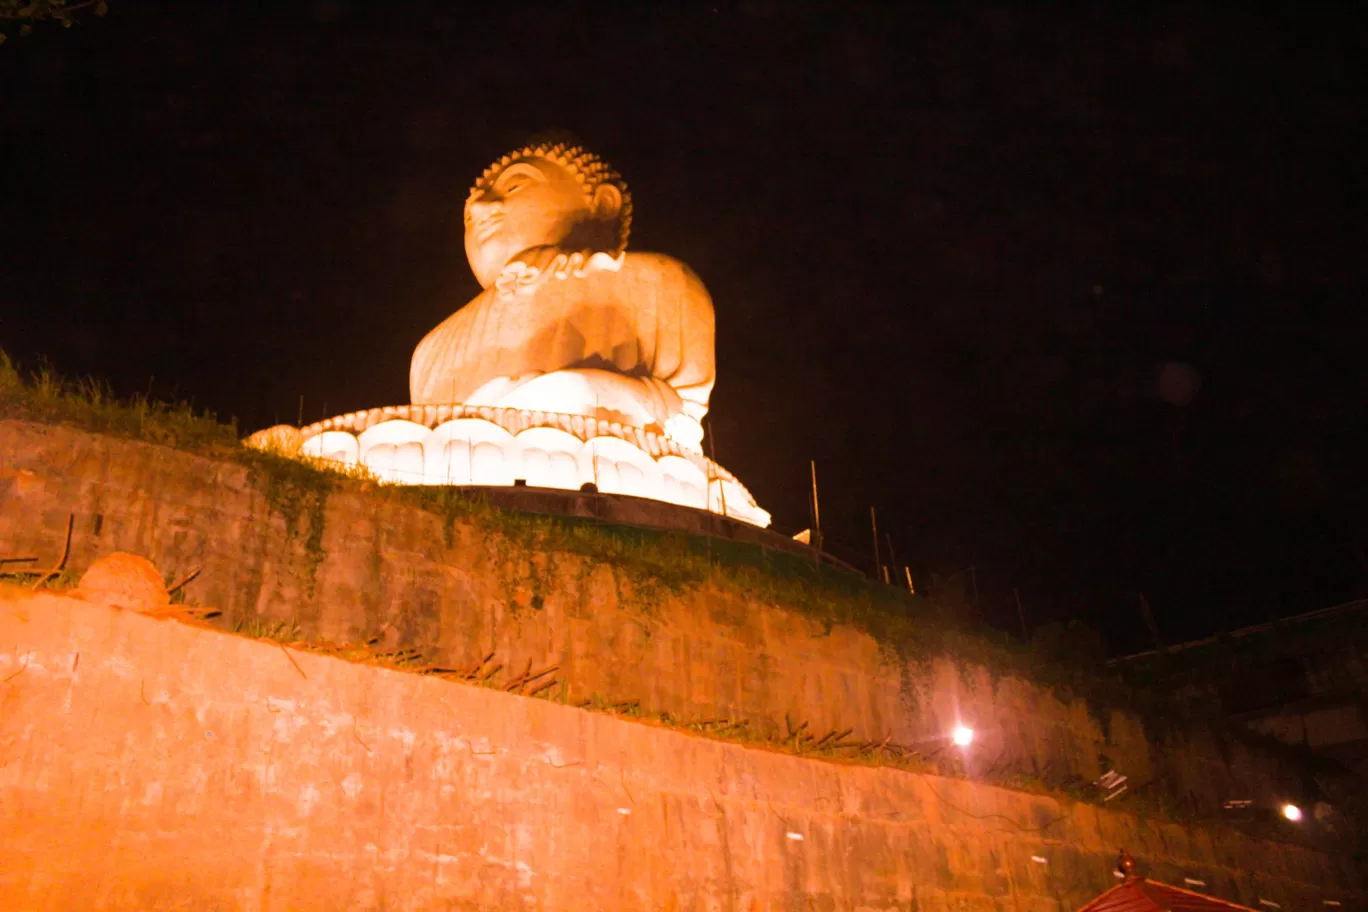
(541, 674)
(292, 661)
(475, 669)
(549, 684)
(518, 681)
(58, 567)
(181, 585)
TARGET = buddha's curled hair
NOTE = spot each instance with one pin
(590, 170)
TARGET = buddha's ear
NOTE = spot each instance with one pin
(607, 202)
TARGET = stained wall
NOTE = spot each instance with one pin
(148, 764)
(357, 564)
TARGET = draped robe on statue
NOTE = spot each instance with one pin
(630, 339)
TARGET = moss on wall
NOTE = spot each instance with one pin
(537, 557)
(298, 493)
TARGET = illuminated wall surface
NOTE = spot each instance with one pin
(149, 764)
(579, 363)
(347, 561)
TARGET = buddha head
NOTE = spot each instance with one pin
(548, 195)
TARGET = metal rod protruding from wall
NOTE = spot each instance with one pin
(816, 511)
(874, 527)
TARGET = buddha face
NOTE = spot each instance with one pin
(534, 203)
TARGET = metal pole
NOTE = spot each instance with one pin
(1021, 613)
(816, 511)
(910, 588)
(874, 526)
(1149, 622)
(712, 444)
(712, 472)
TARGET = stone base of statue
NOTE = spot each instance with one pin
(486, 446)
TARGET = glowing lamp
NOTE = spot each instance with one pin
(963, 736)
(1292, 812)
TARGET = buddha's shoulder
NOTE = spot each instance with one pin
(661, 269)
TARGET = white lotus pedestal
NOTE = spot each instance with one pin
(480, 445)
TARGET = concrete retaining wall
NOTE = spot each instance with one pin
(148, 764)
(358, 563)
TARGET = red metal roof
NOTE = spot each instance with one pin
(1137, 894)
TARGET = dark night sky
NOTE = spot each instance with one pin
(1070, 295)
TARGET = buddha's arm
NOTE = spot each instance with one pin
(685, 337)
(424, 366)
(683, 345)
(434, 369)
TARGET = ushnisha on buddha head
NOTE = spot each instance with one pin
(546, 197)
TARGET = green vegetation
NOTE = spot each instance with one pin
(28, 574)
(1227, 658)
(655, 564)
(27, 12)
(295, 488)
(43, 396)
(648, 567)
(259, 629)
(794, 738)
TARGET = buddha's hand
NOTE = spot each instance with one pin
(684, 431)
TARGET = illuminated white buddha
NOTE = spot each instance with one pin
(567, 321)
(578, 366)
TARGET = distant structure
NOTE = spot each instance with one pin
(1302, 679)
(578, 364)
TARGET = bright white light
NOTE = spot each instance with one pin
(963, 736)
(796, 837)
(1292, 812)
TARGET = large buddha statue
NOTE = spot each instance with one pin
(578, 366)
(568, 322)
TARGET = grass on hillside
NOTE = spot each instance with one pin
(907, 626)
(44, 396)
(655, 562)
(795, 737)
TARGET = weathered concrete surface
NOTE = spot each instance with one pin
(359, 563)
(149, 764)
(637, 511)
